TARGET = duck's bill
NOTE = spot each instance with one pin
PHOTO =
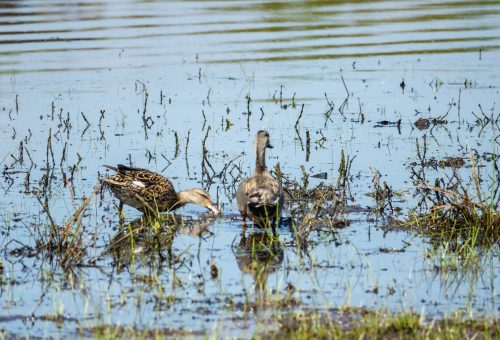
(213, 209)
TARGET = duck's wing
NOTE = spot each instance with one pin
(140, 187)
(137, 177)
(263, 190)
(260, 193)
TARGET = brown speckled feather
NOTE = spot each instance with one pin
(140, 188)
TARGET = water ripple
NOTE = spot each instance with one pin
(96, 34)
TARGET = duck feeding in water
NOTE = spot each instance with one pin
(146, 190)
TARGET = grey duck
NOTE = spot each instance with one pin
(260, 197)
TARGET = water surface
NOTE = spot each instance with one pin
(198, 62)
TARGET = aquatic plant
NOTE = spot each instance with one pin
(460, 215)
(64, 240)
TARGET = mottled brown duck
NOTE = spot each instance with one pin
(260, 197)
(149, 191)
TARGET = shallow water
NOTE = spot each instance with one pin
(198, 61)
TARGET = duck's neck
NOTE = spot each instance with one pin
(260, 160)
(185, 197)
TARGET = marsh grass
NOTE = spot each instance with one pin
(145, 245)
(383, 195)
(461, 219)
(460, 213)
(322, 206)
(127, 332)
(341, 323)
(65, 241)
(362, 324)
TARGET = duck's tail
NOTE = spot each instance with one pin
(263, 203)
(114, 168)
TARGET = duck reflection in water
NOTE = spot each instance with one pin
(259, 254)
(146, 240)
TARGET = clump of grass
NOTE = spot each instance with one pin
(63, 241)
(382, 193)
(362, 324)
(457, 214)
(323, 205)
(124, 332)
(462, 220)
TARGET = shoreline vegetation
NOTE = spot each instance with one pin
(345, 323)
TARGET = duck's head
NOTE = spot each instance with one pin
(263, 140)
(197, 196)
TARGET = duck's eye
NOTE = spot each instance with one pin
(204, 195)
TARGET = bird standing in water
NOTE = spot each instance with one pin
(260, 197)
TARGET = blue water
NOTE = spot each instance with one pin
(198, 61)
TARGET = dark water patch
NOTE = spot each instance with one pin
(348, 55)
